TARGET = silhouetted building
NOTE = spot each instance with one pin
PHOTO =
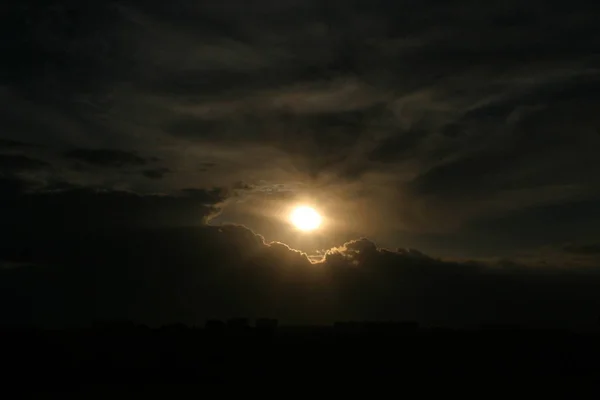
(238, 324)
(501, 327)
(406, 326)
(348, 327)
(175, 328)
(391, 327)
(266, 324)
(113, 325)
(215, 326)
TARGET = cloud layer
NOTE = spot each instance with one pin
(467, 130)
(157, 276)
(443, 117)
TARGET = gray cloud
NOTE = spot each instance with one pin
(18, 163)
(14, 144)
(106, 157)
(67, 208)
(154, 276)
(156, 173)
(592, 249)
(446, 116)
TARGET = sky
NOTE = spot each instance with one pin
(151, 152)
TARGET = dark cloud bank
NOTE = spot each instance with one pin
(111, 255)
(106, 157)
(446, 115)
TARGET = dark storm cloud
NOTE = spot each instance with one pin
(11, 187)
(197, 128)
(205, 166)
(106, 157)
(397, 147)
(61, 47)
(583, 249)
(538, 127)
(431, 116)
(365, 252)
(464, 175)
(67, 207)
(212, 196)
(156, 173)
(14, 144)
(16, 163)
(190, 274)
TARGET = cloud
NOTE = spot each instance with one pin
(464, 129)
(106, 158)
(14, 144)
(161, 275)
(92, 46)
(19, 163)
(206, 196)
(589, 249)
(156, 173)
(11, 187)
(363, 251)
(419, 117)
(68, 207)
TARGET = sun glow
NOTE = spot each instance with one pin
(305, 218)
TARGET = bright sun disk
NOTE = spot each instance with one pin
(305, 218)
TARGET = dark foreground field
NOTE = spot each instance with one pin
(351, 353)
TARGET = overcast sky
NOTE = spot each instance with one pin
(466, 130)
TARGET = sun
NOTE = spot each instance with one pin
(305, 218)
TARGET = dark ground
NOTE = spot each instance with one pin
(116, 354)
